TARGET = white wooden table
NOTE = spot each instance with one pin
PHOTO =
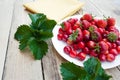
(17, 65)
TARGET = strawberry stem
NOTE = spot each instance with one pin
(112, 37)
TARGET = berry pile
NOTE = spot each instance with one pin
(90, 36)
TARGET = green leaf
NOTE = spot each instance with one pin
(48, 25)
(92, 66)
(22, 32)
(34, 36)
(37, 20)
(39, 48)
(35, 17)
(23, 44)
(92, 71)
(70, 71)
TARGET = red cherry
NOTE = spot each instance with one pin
(93, 53)
(73, 53)
(81, 45)
(86, 50)
(91, 44)
(118, 49)
(114, 52)
(87, 17)
(61, 31)
(75, 47)
(60, 36)
(67, 49)
(114, 45)
(65, 37)
(118, 42)
(102, 57)
(101, 23)
(81, 56)
(110, 57)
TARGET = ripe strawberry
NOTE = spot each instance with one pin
(66, 25)
(87, 17)
(69, 31)
(103, 46)
(101, 30)
(101, 23)
(112, 36)
(71, 21)
(109, 45)
(86, 24)
(111, 21)
(96, 36)
(80, 35)
(86, 35)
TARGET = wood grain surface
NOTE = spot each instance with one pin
(20, 65)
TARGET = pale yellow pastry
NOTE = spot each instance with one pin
(54, 9)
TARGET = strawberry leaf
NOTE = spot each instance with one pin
(34, 36)
(70, 71)
(39, 48)
(22, 32)
(37, 20)
(92, 71)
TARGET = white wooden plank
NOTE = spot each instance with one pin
(6, 11)
(20, 65)
(51, 63)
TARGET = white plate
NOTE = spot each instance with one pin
(59, 45)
